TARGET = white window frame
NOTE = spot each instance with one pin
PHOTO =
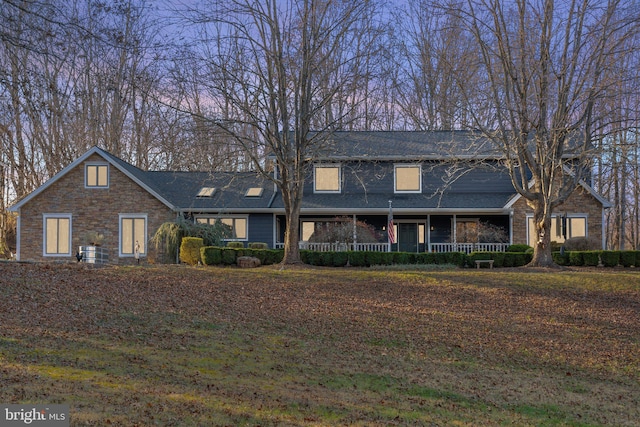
(327, 166)
(123, 216)
(209, 219)
(96, 165)
(407, 166)
(48, 216)
(584, 216)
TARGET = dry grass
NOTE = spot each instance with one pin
(221, 346)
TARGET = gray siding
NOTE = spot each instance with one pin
(261, 228)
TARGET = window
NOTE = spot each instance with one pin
(238, 225)
(133, 230)
(408, 178)
(206, 192)
(326, 179)
(57, 235)
(254, 192)
(576, 227)
(96, 176)
(467, 230)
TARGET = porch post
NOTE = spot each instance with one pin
(455, 232)
(355, 232)
(429, 233)
(511, 228)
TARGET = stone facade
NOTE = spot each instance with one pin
(581, 202)
(92, 209)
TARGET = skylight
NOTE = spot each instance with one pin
(206, 192)
(254, 192)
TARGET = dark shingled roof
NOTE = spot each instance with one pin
(403, 145)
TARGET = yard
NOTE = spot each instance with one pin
(175, 345)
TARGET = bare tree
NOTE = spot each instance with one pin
(279, 67)
(434, 58)
(546, 67)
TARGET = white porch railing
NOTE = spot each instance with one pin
(384, 247)
(341, 247)
(468, 247)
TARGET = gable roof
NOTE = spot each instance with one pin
(178, 190)
(137, 175)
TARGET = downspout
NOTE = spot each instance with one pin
(18, 236)
(178, 249)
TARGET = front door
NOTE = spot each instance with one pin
(407, 237)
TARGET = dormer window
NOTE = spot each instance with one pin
(206, 192)
(326, 178)
(96, 175)
(254, 192)
(408, 178)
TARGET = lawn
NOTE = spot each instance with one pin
(184, 346)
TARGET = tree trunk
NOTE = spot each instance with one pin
(291, 238)
(542, 246)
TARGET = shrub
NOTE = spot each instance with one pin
(190, 250)
(386, 258)
(576, 258)
(591, 258)
(401, 258)
(168, 237)
(560, 258)
(258, 245)
(582, 244)
(455, 258)
(235, 245)
(610, 258)
(211, 255)
(340, 259)
(519, 248)
(357, 259)
(628, 258)
(425, 258)
(440, 258)
(374, 258)
(229, 256)
(273, 256)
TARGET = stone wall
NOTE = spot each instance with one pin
(580, 202)
(92, 209)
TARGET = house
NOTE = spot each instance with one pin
(446, 191)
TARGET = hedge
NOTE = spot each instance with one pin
(211, 255)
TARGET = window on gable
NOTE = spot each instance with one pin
(133, 231)
(408, 178)
(206, 192)
(326, 179)
(57, 235)
(254, 192)
(96, 176)
(238, 225)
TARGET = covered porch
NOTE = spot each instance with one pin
(413, 233)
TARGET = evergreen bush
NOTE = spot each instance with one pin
(591, 258)
(258, 245)
(576, 258)
(235, 245)
(610, 258)
(628, 258)
(518, 248)
(211, 255)
(229, 256)
(190, 250)
(357, 259)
